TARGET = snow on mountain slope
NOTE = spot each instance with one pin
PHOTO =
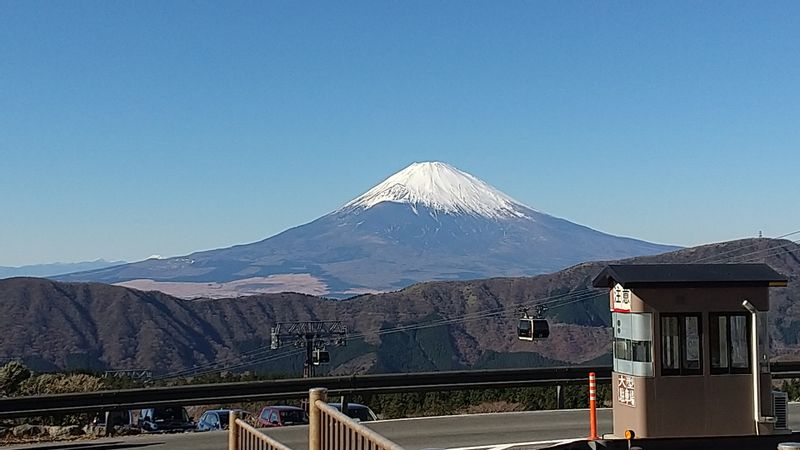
(442, 188)
(429, 221)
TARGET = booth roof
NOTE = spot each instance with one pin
(691, 275)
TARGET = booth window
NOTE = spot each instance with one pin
(680, 344)
(630, 350)
(633, 347)
(729, 338)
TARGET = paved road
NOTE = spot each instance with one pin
(530, 430)
(475, 430)
(428, 432)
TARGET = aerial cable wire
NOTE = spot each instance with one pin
(564, 300)
(260, 360)
(589, 294)
(569, 298)
(554, 301)
(577, 296)
(754, 244)
(238, 357)
(216, 365)
(773, 251)
(774, 248)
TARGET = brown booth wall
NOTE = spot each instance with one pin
(693, 405)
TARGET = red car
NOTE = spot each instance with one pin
(282, 416)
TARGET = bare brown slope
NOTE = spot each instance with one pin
(103, 326)
(68, 324)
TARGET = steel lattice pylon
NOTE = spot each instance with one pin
(315, 336)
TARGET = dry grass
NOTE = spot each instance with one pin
(273, 284)
(56, 383)
(492, 407)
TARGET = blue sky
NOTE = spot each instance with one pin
(136, 128)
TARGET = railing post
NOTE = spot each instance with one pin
(109, 425)
(559, 397)
(233, 432)
(593, 407)
(315, 418)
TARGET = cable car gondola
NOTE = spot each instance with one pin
(320, 356)
(530, 328)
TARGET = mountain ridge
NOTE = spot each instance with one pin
(72, 325)
(56, 268)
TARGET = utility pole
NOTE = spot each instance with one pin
(315, 336)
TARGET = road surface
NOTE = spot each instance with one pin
(526, 430)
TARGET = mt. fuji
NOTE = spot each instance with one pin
(430, 221)
(442, 188)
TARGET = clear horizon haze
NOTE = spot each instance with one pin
(131, 129)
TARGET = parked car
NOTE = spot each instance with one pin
(165, 419)
(116, 418)
(357, 411)
(217, 419)
(282, 416)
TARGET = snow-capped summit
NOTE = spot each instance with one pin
(443, 188)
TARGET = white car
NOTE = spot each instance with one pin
(357, 411)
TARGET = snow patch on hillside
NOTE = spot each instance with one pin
(443, 188)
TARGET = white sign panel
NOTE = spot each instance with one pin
(626, 394)
(621, 298)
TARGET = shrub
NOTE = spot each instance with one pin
(59, 383)
(12, 375)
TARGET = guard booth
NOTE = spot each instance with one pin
(691, 349)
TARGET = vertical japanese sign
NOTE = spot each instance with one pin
(620, 298)
(626, 394)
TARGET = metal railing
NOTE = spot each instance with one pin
(40, 405)
(330, 429)
(243, 436)
(281, 389)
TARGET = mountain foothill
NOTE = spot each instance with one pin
(441, 325)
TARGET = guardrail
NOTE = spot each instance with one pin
(293, 388)
(298, 388)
